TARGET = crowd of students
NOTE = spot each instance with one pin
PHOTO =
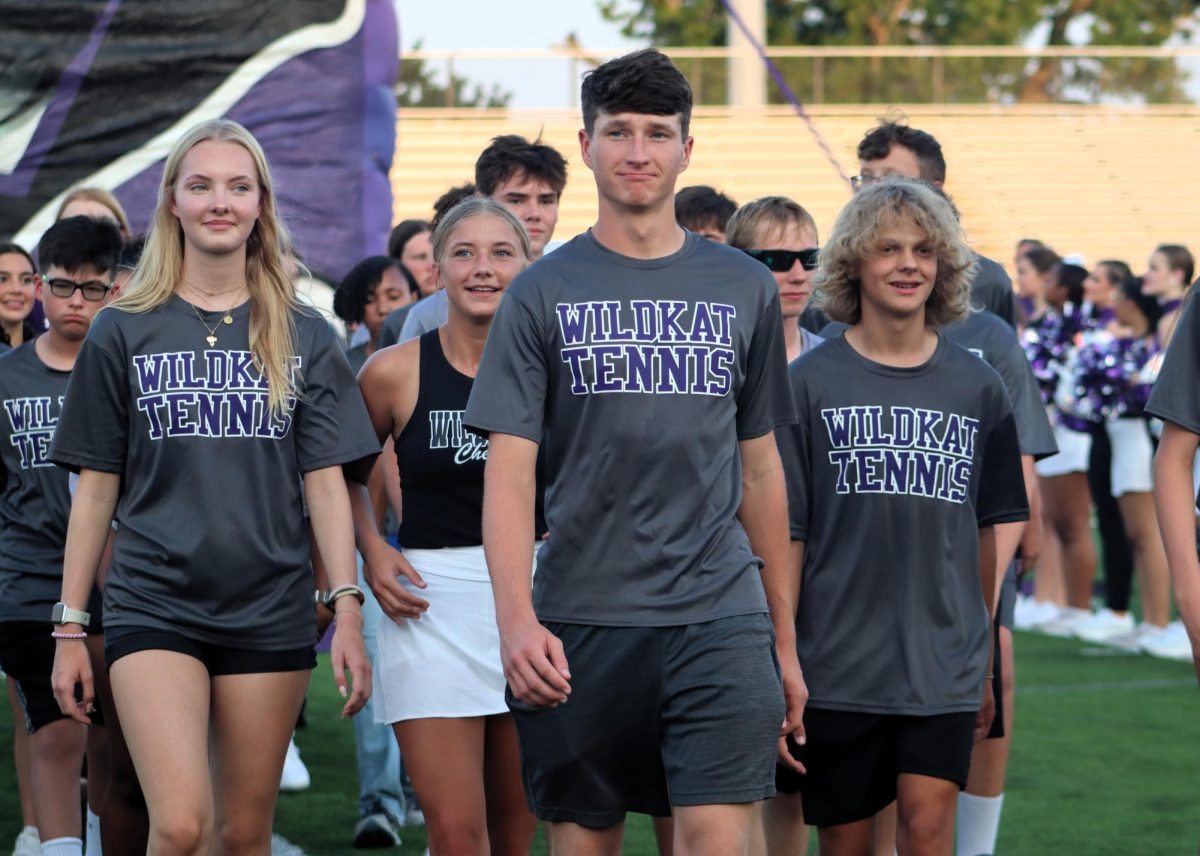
(621, 506)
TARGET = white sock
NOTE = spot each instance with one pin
(32, 829)
(93, 834)
(63, 847)
(978, 824)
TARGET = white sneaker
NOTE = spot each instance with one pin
(1030, 612)
(28, 843)
(1104, 626)
(1063, 624)
(1170, 643)
(295, 774)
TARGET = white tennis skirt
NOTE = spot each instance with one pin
(1132, 468)
(1074, 449)
(447, 662)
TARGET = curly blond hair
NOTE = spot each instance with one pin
(856, 234)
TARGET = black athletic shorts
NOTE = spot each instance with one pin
(217, 659)
(1008, 597)
(658, 716)
(854, 760)
(27, 656)
(997, 729)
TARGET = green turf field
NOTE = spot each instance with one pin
(1106, 760)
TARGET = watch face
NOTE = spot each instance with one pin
(56, 614)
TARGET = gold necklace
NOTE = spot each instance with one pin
(227, 318)
(212, 294)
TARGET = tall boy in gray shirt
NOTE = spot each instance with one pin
(79, 257)
(904, 458)
(650, 364)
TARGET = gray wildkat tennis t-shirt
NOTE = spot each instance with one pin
(891, 473)
(212, 539)
(36, 501)
(640, 377)
(986, 336)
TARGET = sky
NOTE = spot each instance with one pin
(527, 24)
(511, 25)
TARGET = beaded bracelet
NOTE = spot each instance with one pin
(58, 634)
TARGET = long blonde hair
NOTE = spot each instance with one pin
(268, 257)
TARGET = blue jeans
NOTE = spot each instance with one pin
(378, 754)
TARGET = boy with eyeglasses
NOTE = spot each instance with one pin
(779, 233)
(79, 256)
(895, 148)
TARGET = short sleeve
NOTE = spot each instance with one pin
(992, 290)
(428, 314)
(330, 421)
(509, 393)
(1034, 432)
(1001, 497)
(795, 452)
(1174, 397)
(93, 426)
(765, 400)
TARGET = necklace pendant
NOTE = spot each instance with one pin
(212, 340)
(228, 319)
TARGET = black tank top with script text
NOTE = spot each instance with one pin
(441, 462)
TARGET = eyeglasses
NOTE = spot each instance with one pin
(93, 290)
(781, 261)
(858, 182)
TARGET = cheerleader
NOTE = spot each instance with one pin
(439, 680)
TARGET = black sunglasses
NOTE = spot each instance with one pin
(781, 261)
(93, 290)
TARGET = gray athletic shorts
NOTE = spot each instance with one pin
(658, 716)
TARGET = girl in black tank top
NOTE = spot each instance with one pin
(439, 679)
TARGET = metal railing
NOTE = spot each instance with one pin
(832, 75)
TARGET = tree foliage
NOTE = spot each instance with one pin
(419, 86)
(702, 23)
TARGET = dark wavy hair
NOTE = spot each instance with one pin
(354, 292)
(78, 241)
(645, 81)
(878, 141)
(699, 206)
(512, 154)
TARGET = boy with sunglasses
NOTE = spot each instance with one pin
(779, 233)
(79, 256)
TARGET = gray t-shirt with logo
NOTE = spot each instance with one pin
(986, 336)
(891, 473)
(640, 377)
(35, 501)
(212, 540)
